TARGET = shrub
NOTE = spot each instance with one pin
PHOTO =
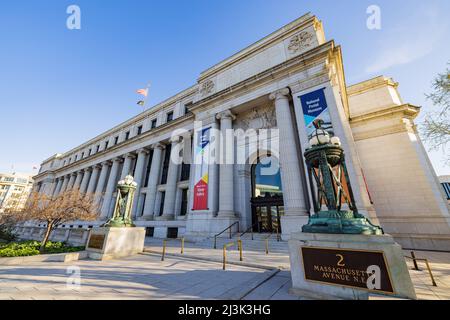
(31, 248)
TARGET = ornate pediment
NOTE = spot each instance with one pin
(259, 118)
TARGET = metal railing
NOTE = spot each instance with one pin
(416, 267)
(266, 239)
(225, 246)
(229, 228)
(165, 243)
(249, 229)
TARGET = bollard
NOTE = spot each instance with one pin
(240, 249)
(416, 267)
(224, 256)
(164, 250)
(431, 274)
(267, 246)
(182, 245)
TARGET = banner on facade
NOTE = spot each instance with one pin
(202, 146)
(314, 106)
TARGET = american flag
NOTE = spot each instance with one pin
(144, 92)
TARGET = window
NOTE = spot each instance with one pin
(184, 201)
(82, 155)
(172, 233)
(64, 163)
(147, 171)
(106, 144)
(186, 107)
(139, 130)
(89, 152)
(116, 140)
(185, 170)
(161, 207)
(97, 149)
(165, 168)
(153, 126)
(127, 135)
(149, 231)
(446, 186)
(76, 157)
(169, 116)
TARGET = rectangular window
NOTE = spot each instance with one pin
(149, 231)
(165, 167)
(139, 130)
(185, 171)
(82, 155)
(169, 116)
(89, 153)
(98, 149)
(184, 201)
(161, 207)
(154, 121)
(76, 157)
(106, 145)
(186, 107)
(172, 233)
(116, 140)
(127, 135)
(147, 171)
(446, 186)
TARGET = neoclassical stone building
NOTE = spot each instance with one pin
(281, 82)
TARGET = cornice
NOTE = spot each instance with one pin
(406, 110)
(145, 135)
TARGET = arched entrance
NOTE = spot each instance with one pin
(267, 195)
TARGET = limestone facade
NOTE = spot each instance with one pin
(261, 87)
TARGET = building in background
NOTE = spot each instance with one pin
(14, 190)
(284, 82)
(445, 182)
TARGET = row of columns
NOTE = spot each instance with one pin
(96, 180)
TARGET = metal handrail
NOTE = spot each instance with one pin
(225, 246)
(249, 229)
(229, 228)
(268, 237)
(165, 243)
(416, 267)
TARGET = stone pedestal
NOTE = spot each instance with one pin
(111, 243)
(341, 266)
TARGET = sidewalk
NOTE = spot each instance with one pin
(254, 256)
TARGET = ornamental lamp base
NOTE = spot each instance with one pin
(341, 222)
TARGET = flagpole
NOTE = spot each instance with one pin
(145, 98)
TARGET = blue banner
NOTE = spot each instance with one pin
(314, 106)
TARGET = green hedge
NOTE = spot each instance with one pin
(31, 248)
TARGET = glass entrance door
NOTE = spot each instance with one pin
(267, 217)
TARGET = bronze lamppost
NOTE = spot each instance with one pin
(124, 203)
(331, 189)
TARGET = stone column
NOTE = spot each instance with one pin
(126, 170)
(172, 179)
(85, 181)
(71, 181)
(155, 169)
(138, 177)
(110, 188)
(102, 180)
(91, 186)
(57, 185)
(226, 181)
(64, 185)
(78, 179)
(293, 195)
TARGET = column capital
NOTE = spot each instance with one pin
(175, 139)
(105, 163)
(143, 150)
(118, 159)
(158, 145)
(280, 94)
(227, 114)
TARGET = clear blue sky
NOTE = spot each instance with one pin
(60, 87)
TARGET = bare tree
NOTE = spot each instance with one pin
(71, 205)
(436, 127)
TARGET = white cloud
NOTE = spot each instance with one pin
(414, 38)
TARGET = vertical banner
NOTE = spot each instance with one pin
(314, 106)
(202, 149)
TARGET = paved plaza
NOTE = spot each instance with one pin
(197, 274)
